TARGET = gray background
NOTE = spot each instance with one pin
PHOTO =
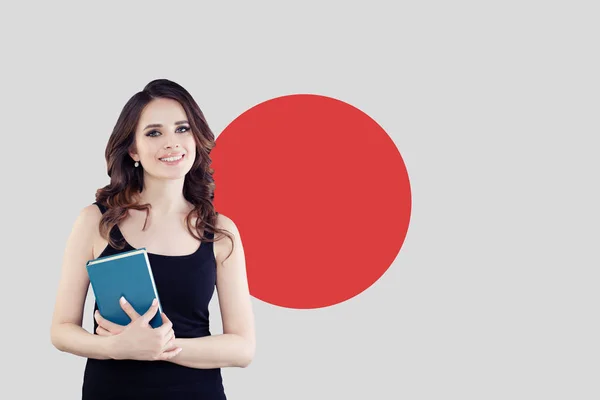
(493, 106)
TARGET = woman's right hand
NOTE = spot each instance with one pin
(140, 341)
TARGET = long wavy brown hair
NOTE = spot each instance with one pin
(126, 180)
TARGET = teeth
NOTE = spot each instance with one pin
(170, 158)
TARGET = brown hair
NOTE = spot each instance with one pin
(126, 180)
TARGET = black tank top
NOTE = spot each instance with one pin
(185, 286)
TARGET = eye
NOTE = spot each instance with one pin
(187, 128)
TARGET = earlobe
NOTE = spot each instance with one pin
(132, 151)
(133, 156)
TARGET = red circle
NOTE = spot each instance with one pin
(320, 194)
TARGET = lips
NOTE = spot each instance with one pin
(171, 155)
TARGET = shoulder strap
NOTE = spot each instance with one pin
(209, 235)
(115, 232)
(101, 207)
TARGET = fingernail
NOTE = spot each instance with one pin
(154, 302)
(123, 300)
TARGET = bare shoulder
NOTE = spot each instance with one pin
(222, 245)
(224, 222)
(91, 213)
(74, 282)
(90, 217)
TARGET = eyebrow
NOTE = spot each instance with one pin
(160, 125)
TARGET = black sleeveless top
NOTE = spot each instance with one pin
(185, 286)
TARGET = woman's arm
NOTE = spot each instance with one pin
(66, 332)
(216, 351)
(236, 346)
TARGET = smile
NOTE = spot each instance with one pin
(172, 160)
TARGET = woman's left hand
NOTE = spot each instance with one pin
(108, 328)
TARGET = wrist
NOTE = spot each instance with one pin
(109, 347)
(178, 342)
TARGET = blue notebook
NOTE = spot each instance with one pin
(125, 274)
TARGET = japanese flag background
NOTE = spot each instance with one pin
(433, 194)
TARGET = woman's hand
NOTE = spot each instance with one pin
(109, 328)
(106, 327)
(138, 340)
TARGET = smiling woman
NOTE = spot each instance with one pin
(160, 197)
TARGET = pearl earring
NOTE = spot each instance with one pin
(137, 164)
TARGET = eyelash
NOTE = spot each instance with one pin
(186, 127)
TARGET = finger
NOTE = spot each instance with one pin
(128, 308)
(165, 339)
(170, 345)
(102, 332)
(169, 354)
(171, 336)
(166, 323)
(148, 315)
(166, 327)
(106, 324)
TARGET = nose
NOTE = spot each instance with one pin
(169, 143)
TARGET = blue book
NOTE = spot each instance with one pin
(125, 274)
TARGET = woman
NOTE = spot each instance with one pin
(160, 197)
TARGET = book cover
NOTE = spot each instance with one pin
(125, 274)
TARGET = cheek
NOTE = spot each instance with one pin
(190, 145)
(148, 150)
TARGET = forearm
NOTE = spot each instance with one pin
(216, 351)
(72, 338)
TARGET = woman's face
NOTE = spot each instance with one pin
(163, 131)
